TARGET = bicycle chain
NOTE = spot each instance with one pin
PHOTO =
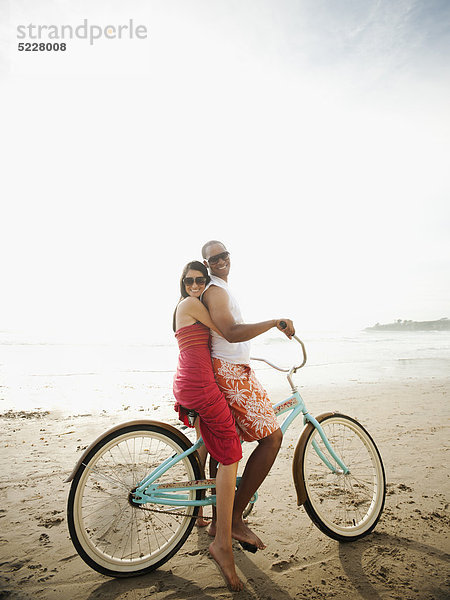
(169, 512)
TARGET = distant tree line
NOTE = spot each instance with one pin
(408, 325)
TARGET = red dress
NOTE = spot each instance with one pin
(195, 388)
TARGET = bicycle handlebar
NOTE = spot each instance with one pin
(292, 369)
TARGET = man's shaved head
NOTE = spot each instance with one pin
(208, 245)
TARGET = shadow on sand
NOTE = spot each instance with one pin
(351, 557)
(259, 585)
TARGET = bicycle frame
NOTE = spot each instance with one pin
(121, 530)
(150, 492)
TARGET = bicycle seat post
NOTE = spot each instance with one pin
(191, 415)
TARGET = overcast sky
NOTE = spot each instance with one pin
(311, 136)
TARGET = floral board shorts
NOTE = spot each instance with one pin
(248, 400)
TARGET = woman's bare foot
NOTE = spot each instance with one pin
(212, 529)
(241, 532)
(200, 521)
(225, 560)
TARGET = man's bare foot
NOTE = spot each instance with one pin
(241, 532)
(212, 528)
(225, 560)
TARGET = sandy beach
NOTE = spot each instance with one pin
(298, 149)
(407, 556)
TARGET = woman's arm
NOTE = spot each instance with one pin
(198, 311)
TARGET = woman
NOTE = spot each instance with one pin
(195, 388)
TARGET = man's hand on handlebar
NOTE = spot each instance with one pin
(287, 327)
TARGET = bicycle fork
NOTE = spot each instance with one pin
(344, 470)
(296, 405)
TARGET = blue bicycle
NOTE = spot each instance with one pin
(137, 489)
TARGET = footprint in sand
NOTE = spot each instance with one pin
(50, 521)
(404, 488)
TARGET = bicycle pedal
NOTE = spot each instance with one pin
(249, 547)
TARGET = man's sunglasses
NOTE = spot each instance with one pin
(213, 260)
(198, 280)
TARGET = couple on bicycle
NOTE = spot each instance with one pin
(214, 378)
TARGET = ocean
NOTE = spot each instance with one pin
(82, 378)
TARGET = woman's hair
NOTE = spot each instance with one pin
(194, 265)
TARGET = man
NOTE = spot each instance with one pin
(249, 403)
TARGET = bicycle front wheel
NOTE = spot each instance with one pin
(113, 535)
(345, 507)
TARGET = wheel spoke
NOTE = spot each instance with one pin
(345, 506)
(111, 534)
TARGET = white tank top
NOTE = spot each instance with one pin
(237, 353)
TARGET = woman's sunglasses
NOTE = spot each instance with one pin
(198, 280)
(213, 260)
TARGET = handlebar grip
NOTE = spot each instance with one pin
(283, 324)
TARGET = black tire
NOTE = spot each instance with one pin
(345, 507)
(112, 535)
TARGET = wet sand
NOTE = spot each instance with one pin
(407, 556)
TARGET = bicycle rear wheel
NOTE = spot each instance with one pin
(112, 535)
(345, 507)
